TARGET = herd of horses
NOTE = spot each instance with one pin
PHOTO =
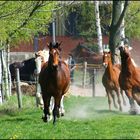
(54, 78)
(124, 77)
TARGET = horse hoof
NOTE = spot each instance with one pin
(44, 119)
(50, 118)
(121, 109)
(62, 114)
(133, 112)
(116, 106)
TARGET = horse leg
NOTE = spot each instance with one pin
(39, 100)
(133, 109)
(46, 101)
(109, 99)
(56, 113)
(119, 100)
(136, 97)
(122, 94)
(135, 94)
(113, 97)
(51, 104)
(62, 111)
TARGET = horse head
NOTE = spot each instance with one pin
(54, 54)
(124, 52)
(41, 58)
(106, 58)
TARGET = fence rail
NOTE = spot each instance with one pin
(88, 75)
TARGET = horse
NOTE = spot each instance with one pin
(129, 78)
(54, 80)
(26, 69)
(110, 80)
(82, 53)
(41, 62)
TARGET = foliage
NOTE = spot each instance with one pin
(86, 21)
(105, 17)
(85, 117)
(22, 19)
(132, 20)
(84, 18)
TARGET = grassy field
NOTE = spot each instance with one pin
(85, 118)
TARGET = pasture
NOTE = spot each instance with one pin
(85, 118)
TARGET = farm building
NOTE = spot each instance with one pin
(68, 44)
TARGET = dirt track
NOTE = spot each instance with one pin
(80, 91)
(73, 90)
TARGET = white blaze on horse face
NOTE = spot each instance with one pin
(55, 57)
(104, 63)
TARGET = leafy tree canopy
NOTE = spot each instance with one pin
(22, 19)
(132, 20)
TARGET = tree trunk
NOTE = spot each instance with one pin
(122, 29)
(117, 17)
(5, 75)
(7, 65)
(99, 32)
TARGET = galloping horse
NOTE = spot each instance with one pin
(54, 80)
(129, 78)
(110, 80)
(41, 62)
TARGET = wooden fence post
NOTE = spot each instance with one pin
(84, 74)
(93, 82)
(18, 89)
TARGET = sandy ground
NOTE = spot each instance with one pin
(87, 91)
(76, 90)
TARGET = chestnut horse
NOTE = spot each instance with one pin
(41, 62)
(110, 80)
(54, 80)
(129, 78)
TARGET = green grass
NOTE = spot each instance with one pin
(85, 117)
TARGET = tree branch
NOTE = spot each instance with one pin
(2, 4)
(38, 5)
(122, 14)
(15, 11)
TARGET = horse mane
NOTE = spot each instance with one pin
(128, 68)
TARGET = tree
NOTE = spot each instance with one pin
(99, 32)
(132, 20)
(117, 17)
(22, 19)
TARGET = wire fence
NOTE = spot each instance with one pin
(88, 80)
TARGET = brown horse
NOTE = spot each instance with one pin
(129, 78)
(82, 53)
(41, 63)
(110, 80)
(54, 80)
